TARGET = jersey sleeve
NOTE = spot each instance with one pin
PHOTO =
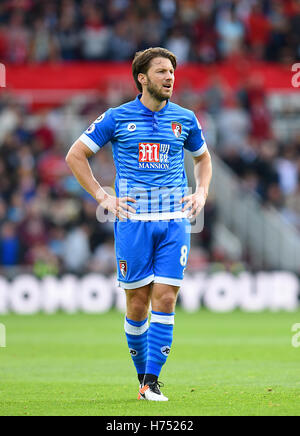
(195, 142)
(100, 132)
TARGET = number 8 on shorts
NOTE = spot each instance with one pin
(183, 257)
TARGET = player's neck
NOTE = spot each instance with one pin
(149, 102)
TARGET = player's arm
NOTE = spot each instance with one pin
(77, 160)
(203, 174)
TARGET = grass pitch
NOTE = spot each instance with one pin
(220, 364)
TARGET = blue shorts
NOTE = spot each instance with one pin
(148, 251)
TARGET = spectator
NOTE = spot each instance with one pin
(279, 31)
(293, 36)
(260, 120)
(236, 117)
(3, 211)
(287, 169)
(274, 197)
(115, 11)
(43, 261)
(95, 35)
(76, 252)
(52, 167)
(153, 30)
(32, 229)
(17, 39)
(8, 120)
(179, 44)
(3, 41)
(9, 245)
(205, 38)
(103, 260)
(231, 32)
(167, 10)
(214, 95)
(264, 166)
(258, 29)
(122, 45)
(292, 207)
(44, 45)
(56, 241)
(68, 38)
(16, 212)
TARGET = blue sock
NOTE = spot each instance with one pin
(160, 337)
(136, 334)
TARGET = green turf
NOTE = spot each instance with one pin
(220, 364)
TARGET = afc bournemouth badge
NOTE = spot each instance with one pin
(177, 129)
(123, 267)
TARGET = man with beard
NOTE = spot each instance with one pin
(151, 205)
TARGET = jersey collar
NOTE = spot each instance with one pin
(148, 111)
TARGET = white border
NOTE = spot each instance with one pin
(157, 216)
(163, 319)
(134, 330)
(168, 281)
(137, 284)
(89, 143)
(200, 150)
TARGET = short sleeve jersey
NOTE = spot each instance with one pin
(148, 150)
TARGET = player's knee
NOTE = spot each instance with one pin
(166, 302)
(137, 310)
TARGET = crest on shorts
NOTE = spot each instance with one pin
(177, 128)
(123, 267)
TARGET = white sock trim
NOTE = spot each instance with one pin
(163, 319)
(134, 330)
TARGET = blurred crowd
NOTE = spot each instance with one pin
(268, 164)
(205, 31)
(47, 222)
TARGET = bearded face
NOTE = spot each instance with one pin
(159, 92)
(160, 79)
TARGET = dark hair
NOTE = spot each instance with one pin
(142, 59)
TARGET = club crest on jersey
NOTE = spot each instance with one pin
(123, 267)
(177, 129)
(154, 156)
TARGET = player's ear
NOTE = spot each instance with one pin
(142, 78)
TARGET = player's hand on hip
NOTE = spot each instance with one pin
(193, 203)
(118, 206)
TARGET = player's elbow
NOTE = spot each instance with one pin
(69, 158)
(73, 154)
(78, 153)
